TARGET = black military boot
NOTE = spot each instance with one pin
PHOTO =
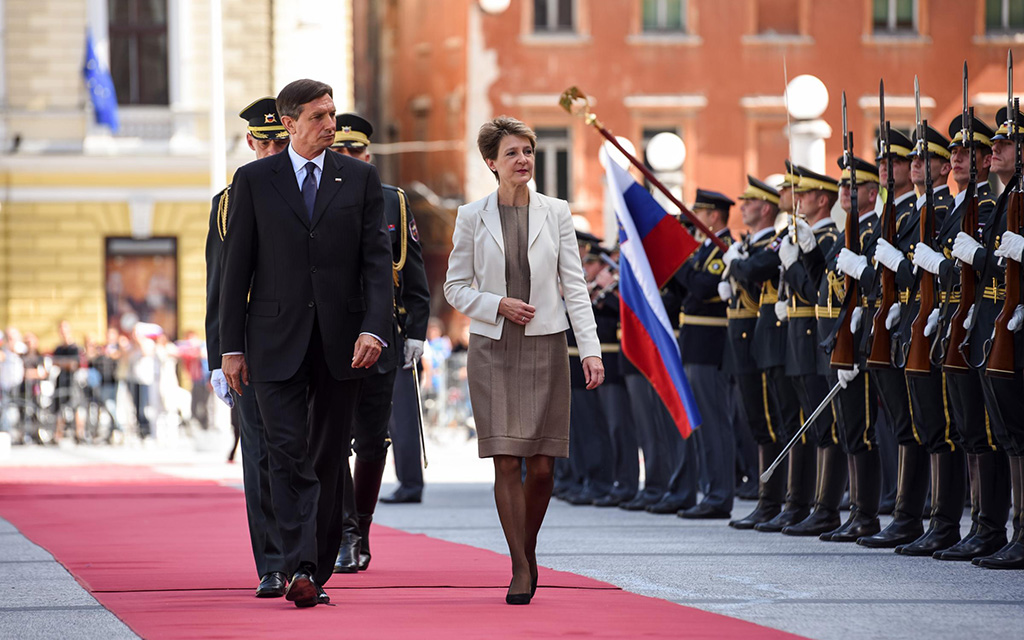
(911, 487)
(368, 474)
(348, 553)
(831, 485)
(947, 506)
(770, 494)
(992, 470)
(801, 491)
(1012, 555)
(865, 487)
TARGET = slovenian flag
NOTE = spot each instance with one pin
(652, 247)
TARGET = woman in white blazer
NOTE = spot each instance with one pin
(515, 258)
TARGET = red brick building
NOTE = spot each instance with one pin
(431, 71)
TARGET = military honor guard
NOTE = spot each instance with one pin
(266, 136)
(374, 412)
(756, 352)
(1000, 383)
(806, 363)
(702, 341)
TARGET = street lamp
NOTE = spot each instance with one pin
(494, 7)
(608, 150)
(666, 153)
(806, 99)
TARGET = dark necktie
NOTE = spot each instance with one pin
(309, 189)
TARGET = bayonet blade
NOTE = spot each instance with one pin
(917, 100)
(846, 128)
(1009, 85)
(881, 108)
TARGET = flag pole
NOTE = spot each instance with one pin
(575, 102)
(218, 151)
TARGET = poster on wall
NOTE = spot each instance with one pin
(142, 283)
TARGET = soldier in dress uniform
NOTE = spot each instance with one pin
(806, 364)
(702, 333)
(374, 411)
(928, 424)
(964, 388)
(1003, 397)
(856, 402)
(266, 136)
(612, 394)
(757, 344)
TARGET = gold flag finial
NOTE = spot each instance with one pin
(576, 103)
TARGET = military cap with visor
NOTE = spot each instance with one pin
(712, 200)
(1002, 133)
(866, 171)
(264, 123)
(982, 132)
(899, 144)
(938, 144)
(352, 131)
(757, 190)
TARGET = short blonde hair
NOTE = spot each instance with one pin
(488, 140)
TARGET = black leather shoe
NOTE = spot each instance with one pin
(704, 512)
(610, 500)
(902, 530)
(935, 539)
(580, 499)
(303, 590)
(321, 596)
(764, 512)
(639, 503)
(403, 496)
(984, 543)
(785, 518)
(667, 505)
(272, 585)
(859, 526)
(348, 554)
(819, 522)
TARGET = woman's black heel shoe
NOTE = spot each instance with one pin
(533, 587)
(517, 598)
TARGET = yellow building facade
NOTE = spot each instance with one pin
(77, 203)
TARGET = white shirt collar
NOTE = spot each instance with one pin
(821, 224)
(299, 164)
(757, 235)
(920, 200)
(909, 194)
(959, 199)
(865, 216)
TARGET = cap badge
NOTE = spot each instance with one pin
(269, 118)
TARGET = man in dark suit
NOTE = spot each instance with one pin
(306, 294)
(266, 136)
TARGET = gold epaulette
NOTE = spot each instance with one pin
(769, 294)
(222, 214)
(702, 321)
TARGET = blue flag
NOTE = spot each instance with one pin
(101, 87)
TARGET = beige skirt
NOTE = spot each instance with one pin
(519, 389)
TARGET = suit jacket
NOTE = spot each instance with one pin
(475, 283)
(803, 355)
(741, 356)
(702, 326)
(282, 271)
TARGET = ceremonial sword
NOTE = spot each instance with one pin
(796, 438)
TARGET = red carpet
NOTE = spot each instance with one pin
(171, 558)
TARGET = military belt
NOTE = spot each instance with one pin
(826, 312)
(995, 293)
(737, 314)
(954, 297)
(802, 312)
(703, 321)
(905, 296)
(610, 347)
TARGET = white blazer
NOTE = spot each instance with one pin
(475, 283)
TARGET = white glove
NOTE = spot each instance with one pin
(804, 236)
(852, 264)
(855, 319)
(964, 248)
(969, 322)
(734, 251)
(927, 258)
(220, 387)
(933, 323)
(893, 318)
(782, 310)
(1011, 246)
(845, 377)
(788, 252)
(1017, 319)
(413, 352)
(888, 255)
(724, 290)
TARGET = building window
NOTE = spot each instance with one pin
(1004, 16)
(895, 16)
(778, 17)
(552, 16)
(552, 168)
(138, 51)
(664, 16)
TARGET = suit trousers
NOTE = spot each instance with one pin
(405, 431)
(370, 427)
(811, 390)
(644, 404)
(308, 423)
(714, 440)
(1004, 399)
(259, 504)
(588, 435)
(856, 409)
(615, 407)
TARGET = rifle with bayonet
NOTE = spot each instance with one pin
(879, 355)
(918, 359)
(1001, 359)
(843, 351)
(954, 360)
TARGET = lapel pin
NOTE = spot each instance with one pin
(337, 179)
